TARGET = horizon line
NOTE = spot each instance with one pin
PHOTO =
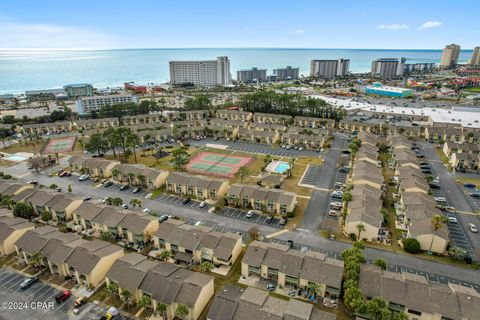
(228, 48)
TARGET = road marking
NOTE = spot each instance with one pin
(304, 197)
(303, 230)
(24, 175)
(464, 212)
(277, 233)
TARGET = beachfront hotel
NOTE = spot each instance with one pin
(202, 73)
(89, 104)
(329, 69)
(450, 56)
(388, 68)
(252, 75)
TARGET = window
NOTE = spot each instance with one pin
(415, 312)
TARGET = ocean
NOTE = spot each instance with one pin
(22, 70)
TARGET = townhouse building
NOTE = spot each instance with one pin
(234, 115)
(235, 303)
(267, 137)
(312, 122)
(164, 283)
(196, 244)
(138, 174)
(12, 229)
(200, 187)
(402, 292)
(272, 118)
(47, 128)
(292, 268)
(273, 201)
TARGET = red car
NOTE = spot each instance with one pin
(62, 296)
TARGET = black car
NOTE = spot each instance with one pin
(123, 188)
(27, 283)
(186, 201)
(269, 219)
(290, 244)
(344, 169)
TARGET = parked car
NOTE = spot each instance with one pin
(124, 206)
(83, 177)
(337, 194)
(163, 217)
(472, 227)
(186, 201)
(148, 196)
(80, 302)
(137, 190)
(283, 221)
(475, 195)
(440, 200)
(269, 220)
(107, 184)
(27, 283)
(452, 219)
(62, 296)
(270, 287)
(34, 182)
(344, 169)
(470, 186)
(202, 204)
(332, 213)
(124, 187)
(87, 198)
(249, 214)
(146, 210)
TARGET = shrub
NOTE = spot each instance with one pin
(411, 245)
(352, 236)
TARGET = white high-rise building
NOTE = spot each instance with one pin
(250, 75)
(206, 73)
(388, 68)
(450, 56)
(475, 59)
(329, 69)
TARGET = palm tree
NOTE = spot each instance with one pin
(136, 203)
(133, 140)
(130, 176)
(165, 255)
(162, 309)
(126, 296)
(182, 311)
(313, 288)
(141, 180)
(242, 172)
(437, 222)
(113, 288)
(35, 260)
(206, 266)
(144, 301)
(360, 228)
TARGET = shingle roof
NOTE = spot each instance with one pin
(109, 217)
(86, 257)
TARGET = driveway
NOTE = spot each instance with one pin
(323, 179)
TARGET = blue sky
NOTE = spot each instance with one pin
(99, 24)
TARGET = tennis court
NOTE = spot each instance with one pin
(217, 164)
(59, 145)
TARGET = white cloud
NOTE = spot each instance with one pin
(394, 27)
(37, 35)
(297, 31)
(430, 24)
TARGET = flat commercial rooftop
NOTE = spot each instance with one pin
(467, 117)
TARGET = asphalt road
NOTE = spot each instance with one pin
(323, 178)
(300, 237)
(455, 196)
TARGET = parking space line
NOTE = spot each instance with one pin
(49, 288)
(12, 280)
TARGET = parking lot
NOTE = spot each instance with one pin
(311, 176)
(258, 148)
(178, 201)
(40, 293)
(458, 236)
(256, 218)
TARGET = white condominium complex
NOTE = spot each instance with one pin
(287, 73)
(206, 73)
(388, 68)
(450, 56)
(94, 103)
(475, 59)
(329, 69)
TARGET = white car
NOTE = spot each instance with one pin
(148, 196)
(452, 220)
(83, 177)
(249, 214)
(124, 206)
(440, 199)
(202, 204)
(472, 227)
(146, 210)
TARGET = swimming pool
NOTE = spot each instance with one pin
(16, 158)
(282, 167)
